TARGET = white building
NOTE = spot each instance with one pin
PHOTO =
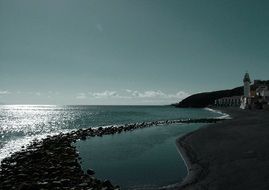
(246, 99)
(262, 91)
(254, 96)
(247, 83)
(234, 101)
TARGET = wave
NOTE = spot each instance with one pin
(223, 115)
(17, 145)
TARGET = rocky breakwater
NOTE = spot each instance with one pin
(54, 163)
(49, 164)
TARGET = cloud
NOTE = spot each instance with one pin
(149, 94)
(37, 93)
(180, 94)
(105, 94)
(134, 96)
(128, 90)
(81, 96)
(157, 94)
(4, 92)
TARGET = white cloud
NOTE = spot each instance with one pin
(81, 96)
(4, 92)
(157, 94)
(148, 96)
(105, 94)
(180, 94)
(53, 93)
(29, 93)
(128, 90)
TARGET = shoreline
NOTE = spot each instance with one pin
(188, 155)
(218, 156)
(194, 170)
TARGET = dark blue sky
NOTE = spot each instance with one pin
(128, 51)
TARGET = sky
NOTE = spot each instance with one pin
(128, 52)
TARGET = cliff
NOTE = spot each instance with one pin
(205, 99)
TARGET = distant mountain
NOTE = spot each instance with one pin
(207, 98)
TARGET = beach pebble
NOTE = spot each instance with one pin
(107, 183)
(90, 172)
(83, 185)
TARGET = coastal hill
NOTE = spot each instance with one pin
(205, 99)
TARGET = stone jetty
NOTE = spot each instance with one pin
(54, 163)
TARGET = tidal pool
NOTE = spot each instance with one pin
(144, 158)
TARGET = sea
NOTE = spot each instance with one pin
(141, 159)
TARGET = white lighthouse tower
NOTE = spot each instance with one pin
(246, 99)
(247, 82)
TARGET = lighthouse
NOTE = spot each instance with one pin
(247, 82)
(246, 99)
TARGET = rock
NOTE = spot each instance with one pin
(56, 183)
(117, 187)
(42, 184)
(83, 185)
(90, 172)
(28, 153)
(65, 180)
(26, 186)
(107, 183)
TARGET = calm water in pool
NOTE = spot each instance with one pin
(142, 158)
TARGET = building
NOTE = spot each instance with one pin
(246, 99)
(262, 88)
(247, 83)
(234, 101)
(263, 92)
(255, 96)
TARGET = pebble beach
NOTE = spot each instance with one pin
(232, 154)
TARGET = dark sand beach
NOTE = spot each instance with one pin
(233, 154)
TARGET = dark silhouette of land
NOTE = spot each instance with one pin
(205, 99)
